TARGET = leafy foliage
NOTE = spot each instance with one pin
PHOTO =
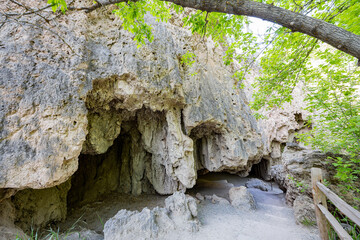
(333, 97)
(133, 16)
(58, 4)
(331, 81)
(188, 59)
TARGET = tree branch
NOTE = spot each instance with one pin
(335, 36)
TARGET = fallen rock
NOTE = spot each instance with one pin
(257, 183)
(220, 200)
(179, 214)
(83, 234)
(37, 207)
(182, 209)
(7, 233)
(304, 210)
(200, 197)
(208, 197)
(241, 198)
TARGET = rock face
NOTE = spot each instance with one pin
(178, 215)
(36, 208)
(304, 210)
(295, 174)
(241, 198)
(60, 100)
(295, 177)
(8, 230)
(137, 119)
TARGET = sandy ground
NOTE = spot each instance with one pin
(272, 220)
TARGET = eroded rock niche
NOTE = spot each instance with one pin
(143, 158)
(122, 168)
(261, 170)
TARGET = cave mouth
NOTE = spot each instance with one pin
(107, 183)
(117, 171)
(261, 170)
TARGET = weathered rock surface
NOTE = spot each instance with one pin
(295, 173)
(241, 198)
(219, 200)
(37, 207)
(200, 196)
(304, 210)
(179, 215)
(8, 230)
(58, 102)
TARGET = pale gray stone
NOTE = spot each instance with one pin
(257, 183)
(304, 210)
(57, 103)
(200, 196)
(241, 198)
(178, 215)
(84, 234)
(220, 200)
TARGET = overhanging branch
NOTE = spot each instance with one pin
(326, 32)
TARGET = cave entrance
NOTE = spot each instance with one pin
(106, 183)
(218, 183)
(261, 170)
(121, 169)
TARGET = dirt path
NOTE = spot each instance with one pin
(272, 220)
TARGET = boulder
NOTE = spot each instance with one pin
(257, 183)
(84, 234)
(304, 210)
(241, 198)
(178, 215)
(200, 196)
(220, 200)
(37, 207)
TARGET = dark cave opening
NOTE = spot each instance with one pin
(115, 171)
(261, 170)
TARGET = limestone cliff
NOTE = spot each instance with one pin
(78, 91)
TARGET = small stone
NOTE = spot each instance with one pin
(83, 234)
(257, 183)
(200, 197)
(220, 200)
(208, 197)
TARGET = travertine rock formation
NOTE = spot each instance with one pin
(63, 99)
(75, 94)
(294, 176)
(304, 210)
(37, 207)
